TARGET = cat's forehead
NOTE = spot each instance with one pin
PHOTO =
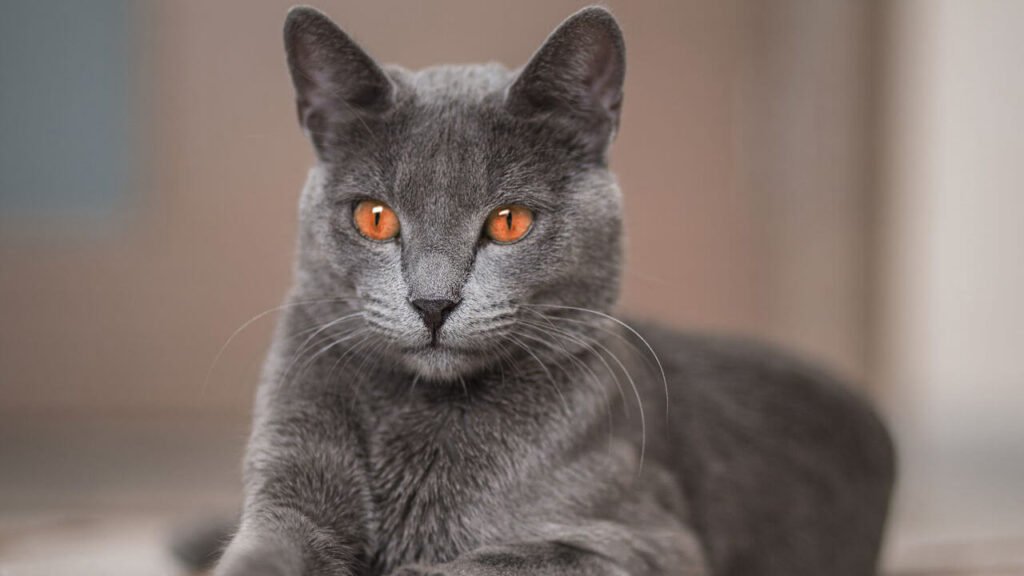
(443, 158)
(449, 145)
(467, 84)
(451, 132)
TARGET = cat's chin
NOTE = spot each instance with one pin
(444, 363)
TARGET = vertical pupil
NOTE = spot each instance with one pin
(377, 211)
(508, 217)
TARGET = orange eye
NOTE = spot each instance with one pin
(376, 220)
(508, 224)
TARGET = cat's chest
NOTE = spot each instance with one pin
(433, 477)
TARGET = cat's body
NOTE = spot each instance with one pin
(524, 431)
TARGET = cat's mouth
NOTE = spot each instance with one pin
(435, 347)
(441, 361)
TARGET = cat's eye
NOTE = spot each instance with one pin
(508, 224)
(375, 220)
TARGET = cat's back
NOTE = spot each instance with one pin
(786, 470)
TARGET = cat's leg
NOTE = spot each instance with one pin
(304, 513)
(283, 542)
(601, 549)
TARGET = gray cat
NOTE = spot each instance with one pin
(447, 394)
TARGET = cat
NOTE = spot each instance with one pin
(447, 392)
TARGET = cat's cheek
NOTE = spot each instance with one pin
(497, 271)
(378, 266)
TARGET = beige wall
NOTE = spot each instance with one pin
(127, 321)
(805, 121)
(953, 275)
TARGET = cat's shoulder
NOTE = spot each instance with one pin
(761, 389)
(733, 360)
(696, 352)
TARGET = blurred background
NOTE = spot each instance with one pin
(841, 178)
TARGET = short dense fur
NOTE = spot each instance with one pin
(537, 435)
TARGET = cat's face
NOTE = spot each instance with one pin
(455, 205)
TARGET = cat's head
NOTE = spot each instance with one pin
(457, 204)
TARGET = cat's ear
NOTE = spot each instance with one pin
(335, 80)
(578, 72)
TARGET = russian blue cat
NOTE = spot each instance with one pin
(448, 393)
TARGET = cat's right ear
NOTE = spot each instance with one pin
(335, 81)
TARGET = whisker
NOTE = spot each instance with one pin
(551, 378)
(475, 328)
(319, 353)
(494, 315)
(349, 352)
(333, 342)
(385, 329)
(636, 394)
(250, 322)
(504, 355)
(373, 353)
(303, 348)
(569, 336)
(647, 357)
(661, 368)
(593, 375)
(415, 379)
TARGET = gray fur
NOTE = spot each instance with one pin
(535, 437)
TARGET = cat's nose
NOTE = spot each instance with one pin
(434, 312)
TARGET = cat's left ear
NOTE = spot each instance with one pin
(578, 73)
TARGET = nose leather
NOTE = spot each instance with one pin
(434, 313)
